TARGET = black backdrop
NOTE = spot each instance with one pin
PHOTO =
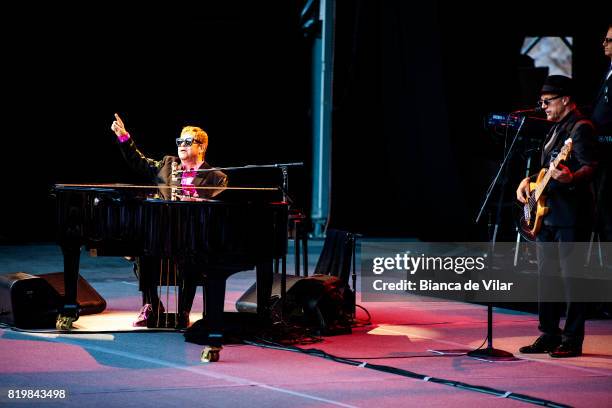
(412, 83)
(237, 69)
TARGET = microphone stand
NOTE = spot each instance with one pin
(491, 353)
(283, 166)
(502, 167)
(246, 167)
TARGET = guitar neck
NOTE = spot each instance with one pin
(544, 182)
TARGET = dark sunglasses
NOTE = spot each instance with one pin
(607, 40)
(546, 102)
(188, 141)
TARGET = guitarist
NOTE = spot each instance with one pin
(570, 200)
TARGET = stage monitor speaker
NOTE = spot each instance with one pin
(33, 301)
(319, 302)
(247, 303)
(90, 301)
(27, 301)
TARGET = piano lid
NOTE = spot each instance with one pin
(151, 192)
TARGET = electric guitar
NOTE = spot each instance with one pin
(535, 210)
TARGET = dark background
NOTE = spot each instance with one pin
(411, 103)
(412, 84)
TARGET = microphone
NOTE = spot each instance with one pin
(174, 172)
(512, 119)
(537, 109)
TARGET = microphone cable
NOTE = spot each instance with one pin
(410, 374)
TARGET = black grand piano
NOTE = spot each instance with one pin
(213, 238)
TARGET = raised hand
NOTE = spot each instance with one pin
(118, 127)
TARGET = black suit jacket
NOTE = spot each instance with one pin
(571, 204)
(602, 119)
(602, 108)
(159, 171)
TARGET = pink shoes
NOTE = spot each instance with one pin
(145, 313)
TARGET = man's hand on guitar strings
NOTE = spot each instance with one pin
(522, 192)
(561, 173)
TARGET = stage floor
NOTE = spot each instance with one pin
(107, 363)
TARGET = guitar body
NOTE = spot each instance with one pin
(531, 220)
(535, 210)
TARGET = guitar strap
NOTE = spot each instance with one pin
(555, 133)
(551, 142)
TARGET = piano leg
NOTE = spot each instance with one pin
(69, 312)
(186, 294)
(214, 302)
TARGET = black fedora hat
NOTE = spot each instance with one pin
(558, 84)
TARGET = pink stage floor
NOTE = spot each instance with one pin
(135, 369)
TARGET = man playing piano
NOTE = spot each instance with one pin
(191, 145)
